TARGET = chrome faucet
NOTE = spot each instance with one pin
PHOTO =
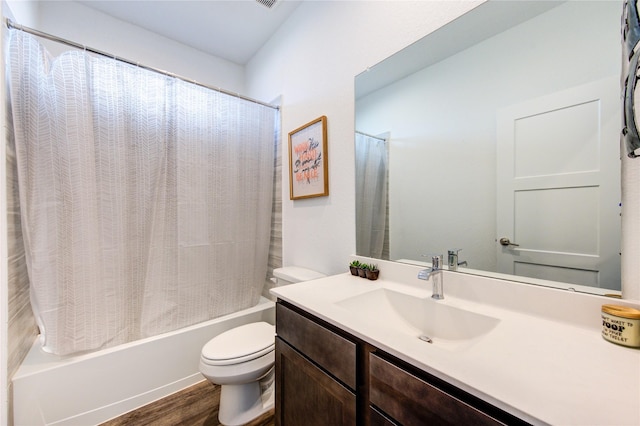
(452, 260)
(436, 272)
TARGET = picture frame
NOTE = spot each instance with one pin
(308, 161)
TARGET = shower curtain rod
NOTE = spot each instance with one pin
(11, 24)
(371, 136)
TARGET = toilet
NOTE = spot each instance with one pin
(241, 361)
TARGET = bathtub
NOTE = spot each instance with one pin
(92, 388)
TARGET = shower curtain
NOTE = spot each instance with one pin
(146, 200)
(371, 195)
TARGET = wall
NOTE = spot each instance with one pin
(630, 227)
(312, 62)
(76, 22)
(442, 121)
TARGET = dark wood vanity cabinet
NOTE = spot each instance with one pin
(409, 400)
(324, 376)
(315, 373)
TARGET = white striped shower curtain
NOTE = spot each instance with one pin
(145, 200)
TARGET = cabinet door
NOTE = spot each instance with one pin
(412, 401)
(305, 395)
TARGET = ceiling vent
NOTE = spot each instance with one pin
(269, 4)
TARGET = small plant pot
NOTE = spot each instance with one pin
(354, 270)
(362, 273)
(372, 275)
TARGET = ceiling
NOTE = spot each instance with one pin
(230, 29)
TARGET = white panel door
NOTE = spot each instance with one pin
(558, 195)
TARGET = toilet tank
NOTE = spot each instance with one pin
(295, 274)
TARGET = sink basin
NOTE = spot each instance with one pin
(430, 320)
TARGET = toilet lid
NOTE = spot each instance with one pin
(242, 343)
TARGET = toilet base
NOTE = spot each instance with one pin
(240, 404)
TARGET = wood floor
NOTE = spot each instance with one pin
(194, 406)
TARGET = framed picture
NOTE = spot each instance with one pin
(308, 167)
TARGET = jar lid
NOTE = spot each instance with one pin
(621, 311)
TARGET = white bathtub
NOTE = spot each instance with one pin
(90, 389)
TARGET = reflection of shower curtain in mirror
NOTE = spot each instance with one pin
(146, 200)
(371, 195)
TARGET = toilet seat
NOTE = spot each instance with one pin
(241, 344)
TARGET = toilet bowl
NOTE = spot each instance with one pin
(241, 361)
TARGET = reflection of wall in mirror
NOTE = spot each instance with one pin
(445, 147)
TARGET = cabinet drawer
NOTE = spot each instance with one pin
(376, 418)
(410, 400)
(329, 350)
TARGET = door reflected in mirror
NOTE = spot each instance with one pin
(509, 133)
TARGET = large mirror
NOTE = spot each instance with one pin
(498, 136)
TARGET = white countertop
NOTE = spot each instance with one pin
(544, 362)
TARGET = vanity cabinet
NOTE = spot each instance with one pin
(410, 400)
(315, 373)
(325, 376)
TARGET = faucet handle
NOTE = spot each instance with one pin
(436, 260)
(452, 259)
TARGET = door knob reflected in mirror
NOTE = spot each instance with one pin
(504, 241)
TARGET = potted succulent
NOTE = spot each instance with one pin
(372, 272)
(362, 270)
(353, 267)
